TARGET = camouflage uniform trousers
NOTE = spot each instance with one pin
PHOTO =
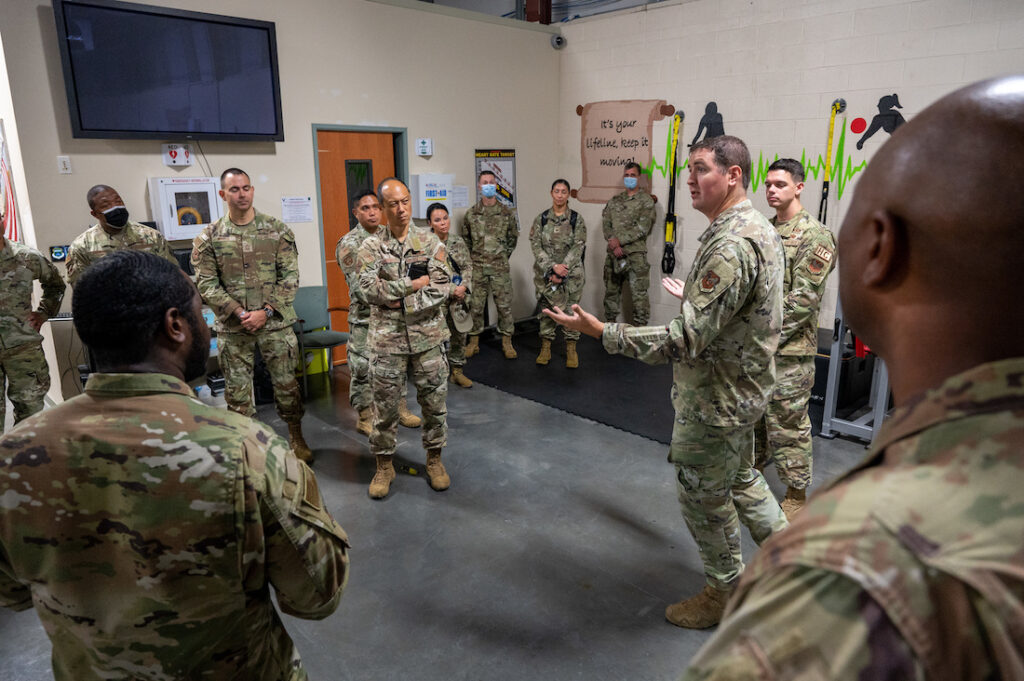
(360, 396)
(280, 351)
(26, 375)
(456, 344)
(718, 488)
(388, 378)
(563, 297)
(496, 280)
(638, 272)
(783, 435)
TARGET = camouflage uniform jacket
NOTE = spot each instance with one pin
(247, 267)
(418, 323)
(458, 253)
(347, 255)
(147, 529)
(19, 266)
(909, 566)
(629, 219)
(491, 232)
(558, 241)
(810, 256)
(723, 342)
(94, 243)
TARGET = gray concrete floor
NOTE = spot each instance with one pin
(552, 556)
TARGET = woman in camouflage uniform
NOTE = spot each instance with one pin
(459, 262)
(558, 238)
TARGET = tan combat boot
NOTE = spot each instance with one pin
(545, 352)
(365, 423)
(700, 612)
(794, 501)
(473, 346)
(572, 360)
(381, 483)
(438, 476)
(407, 418)
(459, 378)
(506, 347)
(298, 443)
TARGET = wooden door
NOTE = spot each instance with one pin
(349, 162)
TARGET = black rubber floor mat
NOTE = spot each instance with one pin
(611, 389)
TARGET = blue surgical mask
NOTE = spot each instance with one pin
(489, 190)
(630, 182)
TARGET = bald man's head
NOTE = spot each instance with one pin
(395, 201)
(935, 227)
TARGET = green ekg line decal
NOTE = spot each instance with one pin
(843, 167)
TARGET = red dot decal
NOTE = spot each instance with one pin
(857, 125)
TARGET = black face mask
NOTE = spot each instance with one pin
(116, 217)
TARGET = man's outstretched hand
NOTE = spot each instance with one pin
(676, 287)
(580, 320)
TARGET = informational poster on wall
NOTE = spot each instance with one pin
(501, 162)
(613, 133)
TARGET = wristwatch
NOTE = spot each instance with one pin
(269, 311)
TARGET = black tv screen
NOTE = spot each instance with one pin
(141, 72)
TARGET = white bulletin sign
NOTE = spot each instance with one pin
(296, 209)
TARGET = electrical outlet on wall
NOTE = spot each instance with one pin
(64, 165)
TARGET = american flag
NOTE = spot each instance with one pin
(11, 230)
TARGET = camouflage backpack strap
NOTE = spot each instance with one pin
(573, 215)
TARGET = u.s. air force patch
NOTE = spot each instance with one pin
(347, 257)
(717, 278)
(815, 266)
(709, 281)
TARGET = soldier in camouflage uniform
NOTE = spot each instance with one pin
(367, 213)
(147, 528)
(721, 347)
(910, 566)
(404, 275)
(247, 270)
(627, 220)
(558, 238)
(360, 396)
(461, 266)
(783, 435)
(23, 366)
(491, 230)
(113, 231)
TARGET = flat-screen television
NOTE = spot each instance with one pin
(141, 72)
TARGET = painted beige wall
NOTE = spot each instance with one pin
(774, 69)
(468, 83)
(462, 82)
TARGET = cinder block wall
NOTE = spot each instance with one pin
(774, 67)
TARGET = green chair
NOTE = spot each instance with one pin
(313, 327)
